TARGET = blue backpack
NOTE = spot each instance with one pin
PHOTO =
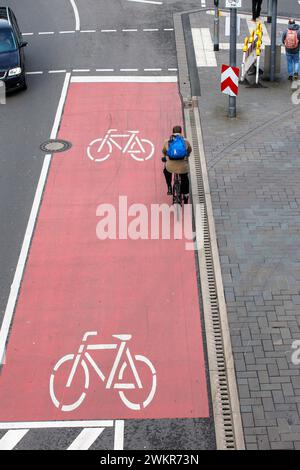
(177, 148)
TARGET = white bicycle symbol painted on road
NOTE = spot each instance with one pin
(132, 362)
(101, 149)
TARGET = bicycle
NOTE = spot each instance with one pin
(101, 149)
(122, 387)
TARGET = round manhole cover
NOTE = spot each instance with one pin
(55, 145)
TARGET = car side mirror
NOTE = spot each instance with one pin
(23, 44)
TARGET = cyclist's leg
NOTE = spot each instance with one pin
(185, 187)
(168, 177)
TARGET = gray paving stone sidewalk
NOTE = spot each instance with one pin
(254, 172)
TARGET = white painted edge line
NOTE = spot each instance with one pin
(129, 70)
(108, 30)
(129, 30)
(81, 70)
(76, 13)
(45, 32)
(105, 70)
(88, 31)
(86, 439)
(146, 1)
(119, 435)
(67, 32)
(152, 70)
(12, 438)
(57, 71)
(150, 29)
(14, 290)
(27, 34)
(129, 79)
(109, 423)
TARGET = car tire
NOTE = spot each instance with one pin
(24, 84)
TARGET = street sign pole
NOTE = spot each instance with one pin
(217, 26)
(269, 11)
(233, 33)
(273, 41)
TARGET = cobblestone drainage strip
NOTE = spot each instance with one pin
(55, 146)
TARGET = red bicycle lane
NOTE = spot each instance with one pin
(76, 283)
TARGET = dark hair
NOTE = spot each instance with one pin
(292, 21)
(177, 130)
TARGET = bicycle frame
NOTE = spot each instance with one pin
(111, 138)
(94, 347)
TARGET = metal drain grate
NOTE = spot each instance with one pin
(218, 365)
(55, 146)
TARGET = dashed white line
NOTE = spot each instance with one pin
(105, 70)
(27, 34)
(88, 31)
(129, 70)
(67, 32)
(168, 29)
(81, 70)
(173, 70)
(108, 30)
(46, 32)
(57, 71)
(129, 30)
(152, 70)
(150, 29)
(35, 73)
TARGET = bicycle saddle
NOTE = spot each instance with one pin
(122, 337)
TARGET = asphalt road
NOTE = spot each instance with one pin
(26, 121)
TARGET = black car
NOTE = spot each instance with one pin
(12, 57)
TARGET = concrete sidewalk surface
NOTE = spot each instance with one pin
(253, 166)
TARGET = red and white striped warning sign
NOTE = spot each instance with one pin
(230, 80)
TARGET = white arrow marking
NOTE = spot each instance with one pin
(12, 438)
(86, 439)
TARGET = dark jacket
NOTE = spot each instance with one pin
(294, 27)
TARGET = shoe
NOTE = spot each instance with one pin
(291, 78)
(296, 77)
(185, 199)
(170, 192)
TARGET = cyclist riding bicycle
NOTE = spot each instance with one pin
(176, 151)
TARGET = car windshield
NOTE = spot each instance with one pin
(7, 42)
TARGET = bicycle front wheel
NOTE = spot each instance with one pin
(63, 397)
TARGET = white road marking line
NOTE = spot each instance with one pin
(151, 29)
(152, 70)
(57, 71)
(203, 3)
(12, 438)
(109, 423)
(129, 70)
(81, 70)
(46, 32)
(88, 31)
(14, 290)
(108, 30)
(27, 34)
(35, 73)
(146, 1)
(105, 70)
(67, 32)
(86, 439)
(125, 79)
(76, 13)
(168, 29)
(129, 30)
(119, 435)
(203, 45)
(173, 70)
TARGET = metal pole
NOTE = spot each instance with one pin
(273, 41)
(216, 27)
(233, 35)
(269, 11)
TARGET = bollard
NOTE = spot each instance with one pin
(217, 26)
(269, 20)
